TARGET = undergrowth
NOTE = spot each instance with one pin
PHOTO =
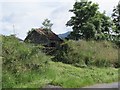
(24, 65)
(88, 53)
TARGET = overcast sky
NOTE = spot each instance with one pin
(27, 14)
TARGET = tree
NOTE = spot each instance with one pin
(116, 20)
(116, 16)
(103, 25)
(83, 11)
(88, 23)
(88, 31)
(47, 24)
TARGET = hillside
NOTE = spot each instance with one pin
(63, 35)
(26, 66)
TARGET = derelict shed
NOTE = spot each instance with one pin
(43, 37)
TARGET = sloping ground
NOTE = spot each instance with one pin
(25, 66)
(88, 53)
(68, 76)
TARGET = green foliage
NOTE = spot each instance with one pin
(88, 31)
(47, 24)
(88, 22)
(25, 66)
(88, 53)
(83, 12)
(103, 26)
(116, 17)
(20, 60)
(116, 20)
(68, 76)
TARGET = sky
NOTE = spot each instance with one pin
(20, 16)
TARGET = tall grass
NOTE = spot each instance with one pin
(25, 66)
(20, 61)
(88, 53)
(68, 76)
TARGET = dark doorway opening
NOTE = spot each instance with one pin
(52, 44)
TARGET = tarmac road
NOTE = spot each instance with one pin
(105, 85)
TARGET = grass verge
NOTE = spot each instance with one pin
(68, 76)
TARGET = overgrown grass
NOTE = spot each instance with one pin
(88, 53)
(25, 66)
(68, 76)
(20, 61)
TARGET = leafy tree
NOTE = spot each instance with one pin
(47, 24)
(83, 11)
(103, 25)
(88, 31)
(88, 22)
(116, 20)
(116, 17)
